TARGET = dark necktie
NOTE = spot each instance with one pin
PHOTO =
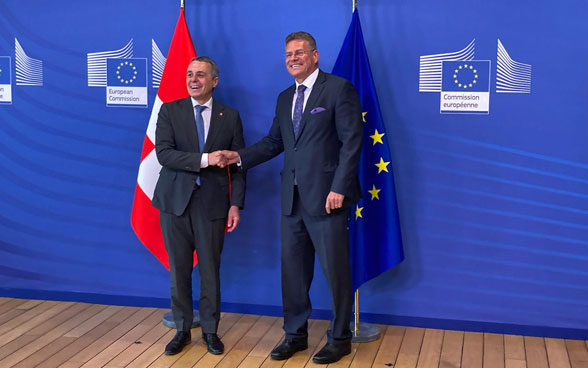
(200, 129)
(298, 109)
(200, 126)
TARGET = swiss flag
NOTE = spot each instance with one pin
(145, 218)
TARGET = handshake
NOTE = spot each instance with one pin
(223, 158)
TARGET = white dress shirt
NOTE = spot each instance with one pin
(308, 83)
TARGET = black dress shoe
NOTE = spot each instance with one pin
(213, 343)
(287, 348)
(181, 339)
(331, 353)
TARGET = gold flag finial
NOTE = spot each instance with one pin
(182, 4)
(354, 5)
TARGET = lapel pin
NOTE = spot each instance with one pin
(220, 114)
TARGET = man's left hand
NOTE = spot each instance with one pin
(334, 201)
(233, 218)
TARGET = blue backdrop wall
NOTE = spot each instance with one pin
(493, 206)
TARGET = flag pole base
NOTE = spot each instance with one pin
(365, 332)
(168, 320)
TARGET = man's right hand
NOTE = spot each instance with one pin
(231, 157)
(217, 158)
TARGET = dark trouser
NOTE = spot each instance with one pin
(182, 235)
(302, 236)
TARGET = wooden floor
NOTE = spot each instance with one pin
(35, 333)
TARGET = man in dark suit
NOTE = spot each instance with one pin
(318, 126)
(192, 195)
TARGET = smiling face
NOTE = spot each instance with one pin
(301, 60)
(199, 81)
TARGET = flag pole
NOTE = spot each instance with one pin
(363, 332)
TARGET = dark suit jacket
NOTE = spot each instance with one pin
(177, 148)
(325, 155)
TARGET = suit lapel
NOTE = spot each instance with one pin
(286, 111)
(190, 126)
(317, 89)
(215, 127)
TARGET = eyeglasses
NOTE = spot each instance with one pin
(297, 53)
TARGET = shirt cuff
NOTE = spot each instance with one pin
(204, 161)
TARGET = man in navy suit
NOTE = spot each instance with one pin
(318, 126)
(192, 195)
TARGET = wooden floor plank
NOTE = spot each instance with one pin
(29, 304)
(493, 350)
(557, 354)
(451, 350)
(473, 350)
(121, 343)
(140, 345)
(154, 351)
(408, 355)
(11, 314)
(535, 352)
(430, 349)
(95, 321)
(9, 305)
(514, 352)
(391, 341)
(578, 353)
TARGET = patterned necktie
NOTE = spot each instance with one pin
(200, 129)
(298, 109)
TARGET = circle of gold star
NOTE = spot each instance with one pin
(461, 81)
(125, 65)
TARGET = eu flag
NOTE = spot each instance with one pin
(374, 228)
(466, 76)
(127, 72)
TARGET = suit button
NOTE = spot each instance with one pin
(295, 149)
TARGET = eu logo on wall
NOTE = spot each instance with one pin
(5, 81)
(126, 82)
(465, 87)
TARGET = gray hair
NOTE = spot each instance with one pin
(213, 67)
(305, 36)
